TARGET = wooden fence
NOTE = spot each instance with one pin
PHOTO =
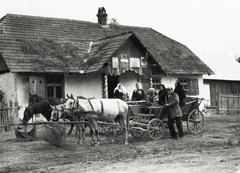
(228, 102)
(8, 115)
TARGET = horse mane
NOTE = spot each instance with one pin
(81, 97)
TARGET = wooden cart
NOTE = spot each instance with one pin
(153, 119)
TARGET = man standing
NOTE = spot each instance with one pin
(174, 113)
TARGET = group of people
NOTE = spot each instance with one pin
(172, 100)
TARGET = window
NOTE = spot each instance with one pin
(54, 86)
(190, 85)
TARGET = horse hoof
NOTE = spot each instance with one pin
(92, 143)
(97, 144)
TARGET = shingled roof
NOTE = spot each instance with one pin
(43, 44)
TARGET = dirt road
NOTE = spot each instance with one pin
(215, 150)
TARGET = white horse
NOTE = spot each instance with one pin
(106, 110)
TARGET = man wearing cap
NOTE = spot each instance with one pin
(174, 113)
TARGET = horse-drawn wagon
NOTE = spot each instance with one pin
(133, 116)
(153, 118)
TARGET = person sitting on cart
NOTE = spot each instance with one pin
(181, 93)
(151, 96)
(161, 100)
(174, 113)
(120, 92)
(138, 93)
(150, 100)
(162, 94)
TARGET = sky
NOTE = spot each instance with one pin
(201, 25)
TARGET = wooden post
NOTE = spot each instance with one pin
(217, 102)
(151, 82)
(104, 86)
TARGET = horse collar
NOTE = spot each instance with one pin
(91, 104)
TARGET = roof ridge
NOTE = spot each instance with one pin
(115, 35)
(46, 17)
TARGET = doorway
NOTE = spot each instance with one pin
(112, 83)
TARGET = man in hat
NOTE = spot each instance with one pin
(174, 113)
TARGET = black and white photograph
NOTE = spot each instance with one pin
(107, 86)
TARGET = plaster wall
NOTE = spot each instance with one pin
(88, 86)
(23, 90)
(8, 87)
(169, 81)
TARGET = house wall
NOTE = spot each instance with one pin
(8, 87)
(169, 81)
(83, 85)
(23, 90)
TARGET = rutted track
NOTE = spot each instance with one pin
(216, 146)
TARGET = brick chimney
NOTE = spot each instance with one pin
(102, 16)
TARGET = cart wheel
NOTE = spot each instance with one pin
(103, 129)
(136, 133)
(195, 121)
(156, 129)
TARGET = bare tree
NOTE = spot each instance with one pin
(237, 58)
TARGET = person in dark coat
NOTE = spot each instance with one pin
(181, 93)
(162, 94)
(138, 93)
(174, 113)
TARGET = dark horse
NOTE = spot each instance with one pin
(34, 98)
(42, 107)
(54, 101)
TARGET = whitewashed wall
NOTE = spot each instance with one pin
(83, 85)
(169, 81)
(22, 92)
(8, 86)
(14, 91)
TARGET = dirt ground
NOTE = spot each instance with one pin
(216, 149)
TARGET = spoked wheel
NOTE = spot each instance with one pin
(195, 121)
(103, 129)
(136, 131)
(156, 129)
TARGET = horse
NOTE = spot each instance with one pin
(59, 113)
(105, 110)
(42, 107)
(34, 98)
(54, 101)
